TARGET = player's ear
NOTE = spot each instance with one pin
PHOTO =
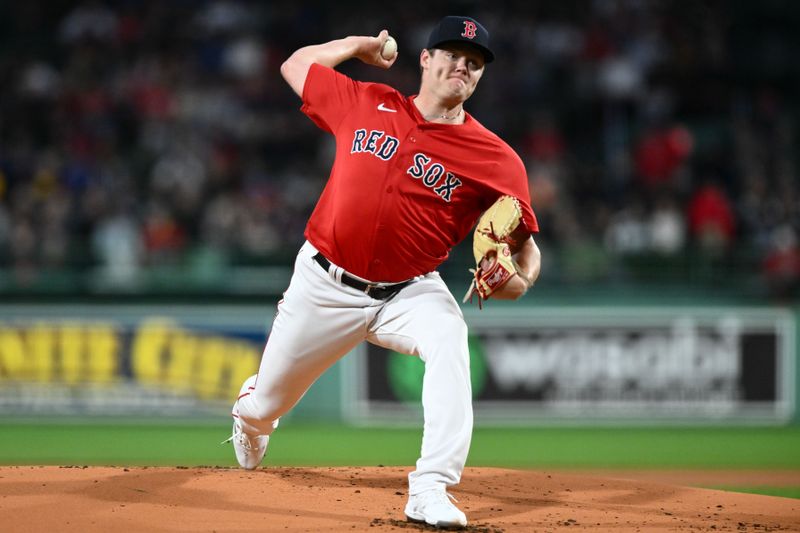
(425, 58)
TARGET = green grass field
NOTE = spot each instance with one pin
(296, 444)
(189, 444)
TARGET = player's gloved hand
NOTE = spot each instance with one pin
(491, 247)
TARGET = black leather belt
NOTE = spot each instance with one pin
(379, 291)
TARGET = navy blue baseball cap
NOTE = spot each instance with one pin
(456, 29)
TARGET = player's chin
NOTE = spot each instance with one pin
(463, 92)
(458, 97)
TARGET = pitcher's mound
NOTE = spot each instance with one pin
(101, 499)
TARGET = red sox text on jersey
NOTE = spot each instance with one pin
(384, 146)
(430, 173)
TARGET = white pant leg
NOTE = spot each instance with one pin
(318, 322)
(425, 320)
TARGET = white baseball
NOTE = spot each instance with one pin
(389, 48)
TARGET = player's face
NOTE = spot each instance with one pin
(452, 72)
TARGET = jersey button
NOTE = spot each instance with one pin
(412, 139)
(389, 189)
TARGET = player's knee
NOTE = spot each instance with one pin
(446, 342)
(449, 331)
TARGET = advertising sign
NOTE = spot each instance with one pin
(126, 360)
(602, 364)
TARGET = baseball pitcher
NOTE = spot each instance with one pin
(412, 176)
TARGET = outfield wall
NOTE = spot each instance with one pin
(530, 365)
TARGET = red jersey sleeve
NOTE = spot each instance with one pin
(328, 96)
(511, 178)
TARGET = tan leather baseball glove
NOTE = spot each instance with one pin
(492, 248)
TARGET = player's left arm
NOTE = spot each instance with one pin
(528, 259)
(507, 259)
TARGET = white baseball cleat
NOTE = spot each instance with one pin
(250, 449)
(435, 508)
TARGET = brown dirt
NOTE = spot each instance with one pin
(102, 499)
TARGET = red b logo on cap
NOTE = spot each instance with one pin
(469, 29)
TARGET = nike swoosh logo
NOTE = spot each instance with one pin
(382, 107)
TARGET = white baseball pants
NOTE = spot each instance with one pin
(320, 320)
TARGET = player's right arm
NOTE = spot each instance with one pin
(368, 49)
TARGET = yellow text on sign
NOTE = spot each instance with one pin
(63, 352)
(181, 361)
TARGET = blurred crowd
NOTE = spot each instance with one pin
(660, 137)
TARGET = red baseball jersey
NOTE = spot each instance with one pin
(402, 191)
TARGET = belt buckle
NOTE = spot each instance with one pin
(379, 288)
(371, 287)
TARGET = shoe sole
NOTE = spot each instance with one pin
(439, 525)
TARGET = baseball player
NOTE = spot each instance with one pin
(411, 177)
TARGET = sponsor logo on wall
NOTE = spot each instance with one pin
(153, 364)
(630, 364)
